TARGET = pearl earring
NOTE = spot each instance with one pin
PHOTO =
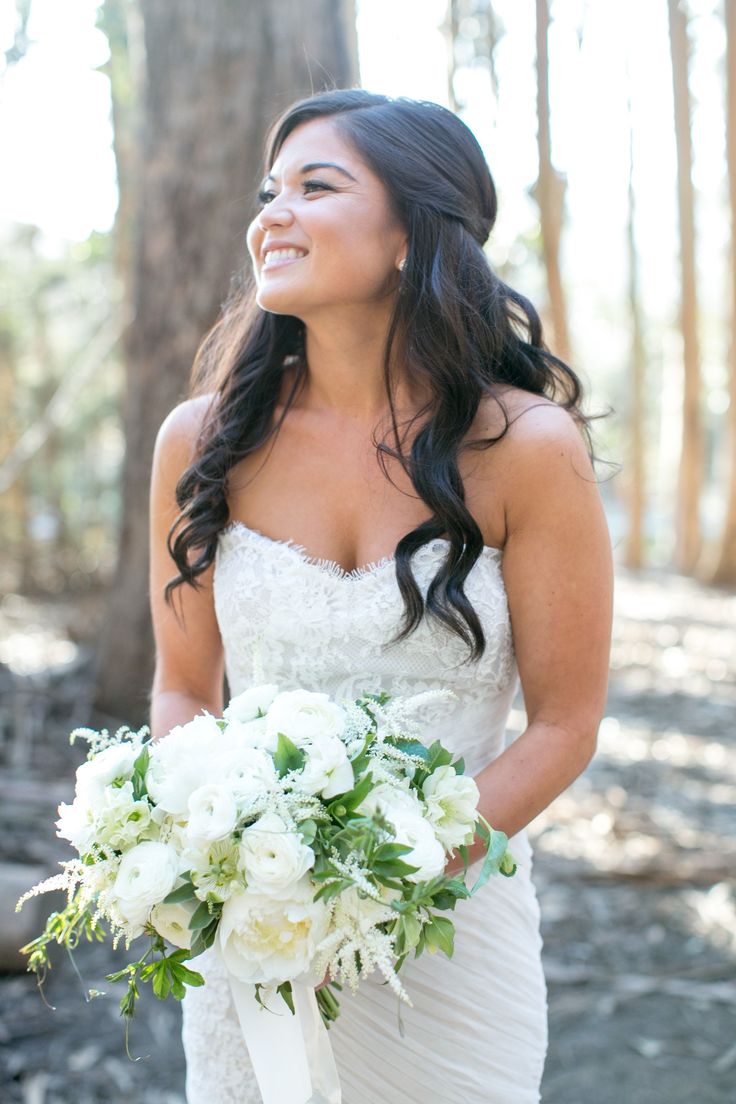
(402, 262)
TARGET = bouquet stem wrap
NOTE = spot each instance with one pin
(291, 1054)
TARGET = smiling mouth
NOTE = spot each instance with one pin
(280, 257)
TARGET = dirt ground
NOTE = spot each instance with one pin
(634, 864)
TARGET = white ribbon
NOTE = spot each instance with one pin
(291, 1054)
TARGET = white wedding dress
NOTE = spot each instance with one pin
(477, 1031)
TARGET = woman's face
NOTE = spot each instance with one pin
(336, 216)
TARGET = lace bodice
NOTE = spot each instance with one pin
(323, 628)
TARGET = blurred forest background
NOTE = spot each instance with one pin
(133, 132)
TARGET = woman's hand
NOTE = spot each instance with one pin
(325, 981)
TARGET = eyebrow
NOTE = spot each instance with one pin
(320, 165)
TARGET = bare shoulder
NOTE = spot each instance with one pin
(182, 425)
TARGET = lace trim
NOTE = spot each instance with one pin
(331, 567)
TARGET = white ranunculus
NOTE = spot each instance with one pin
(172, 922)
(115, 761)
(427, 853)
(146, 875)
(303, 715)
(251, 734)
(76, 823)
(273, 857)
(182, 761)
(327, 769)
(265, 939)
(390, 801)
(253, 702)
(452, 805)
(247, 771)
(213, 813)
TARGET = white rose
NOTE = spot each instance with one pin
(252, 703)
(181, 761)
(327, 769)
(452, 805)
(427, 853)
(262, 939)
(273, 857)
(213, 813)
(302, 715)
(172, 922)
(115, 761)
(146, 875)
(76, 823)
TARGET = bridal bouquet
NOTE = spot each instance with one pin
(298, 836)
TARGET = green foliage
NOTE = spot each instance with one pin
(288, 756)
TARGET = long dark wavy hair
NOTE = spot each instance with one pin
(455, 324)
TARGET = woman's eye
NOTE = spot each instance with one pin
(265, 196)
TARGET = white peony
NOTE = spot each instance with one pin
(113, 762)
(273, 857)
(303, 715)
(76, 823)
(213, 813)
(327, 769)
(452, 804)
(172, 922)
(253, 702)
(263, 939)
(146, 875)
(182, 761)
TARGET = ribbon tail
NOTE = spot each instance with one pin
(291, 1054)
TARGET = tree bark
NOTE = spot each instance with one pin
(216, 76)
(725, 569)
(549, 193)
(690, 475)
(636, 478)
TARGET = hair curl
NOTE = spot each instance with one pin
(455, 324)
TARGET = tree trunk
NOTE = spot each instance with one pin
(688, 537)
(549, 193)
(216, 76)
(725, 569)
(636, 479)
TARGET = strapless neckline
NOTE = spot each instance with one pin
(239, 530)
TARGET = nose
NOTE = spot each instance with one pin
(275, 213)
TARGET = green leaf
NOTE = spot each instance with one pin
(496, 849)
(439, 934)
(285, 990)
(353, 798)
(307, 830)
(162, 982)
(183, 892)
(201, 917)
(191, 977)
(287, 756)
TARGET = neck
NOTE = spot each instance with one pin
(345, 359)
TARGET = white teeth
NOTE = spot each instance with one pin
(284, 254)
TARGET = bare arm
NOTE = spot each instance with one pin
(558, 574)
(189, 654)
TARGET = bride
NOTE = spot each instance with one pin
(381, 480)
